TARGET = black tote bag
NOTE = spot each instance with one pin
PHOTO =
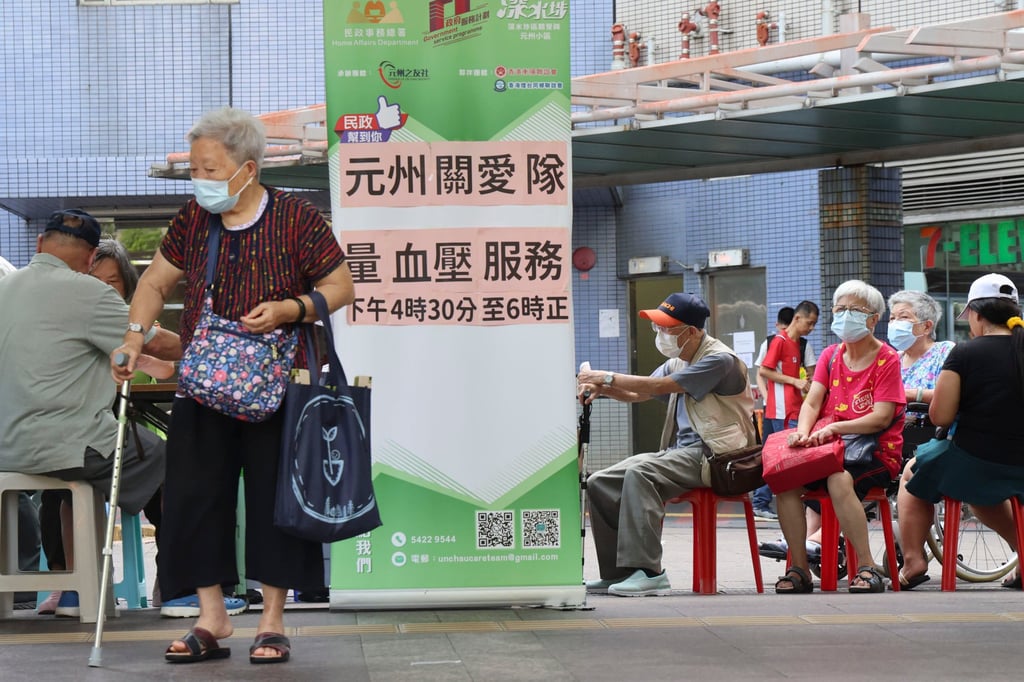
(325, 484)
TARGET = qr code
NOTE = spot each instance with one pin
(540, 528)
(495, 530)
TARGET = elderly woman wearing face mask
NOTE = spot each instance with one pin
(913, 317)
(857, 386)
(274, 249)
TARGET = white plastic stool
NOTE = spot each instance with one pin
(89, 513)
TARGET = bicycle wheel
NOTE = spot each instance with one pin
(982, 556)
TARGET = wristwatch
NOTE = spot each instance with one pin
(608, 379)
(135, 327)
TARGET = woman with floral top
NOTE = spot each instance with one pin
(913, 317)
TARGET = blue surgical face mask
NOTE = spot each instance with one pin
(901, 334)
(213, 194)
(850, 325)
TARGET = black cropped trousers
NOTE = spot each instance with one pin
(206, 453)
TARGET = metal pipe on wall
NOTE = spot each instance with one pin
(828, 17)
(797, 89)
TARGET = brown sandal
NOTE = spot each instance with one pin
(271, 640)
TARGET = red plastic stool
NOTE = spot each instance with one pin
(951, 537)
(830, 539)
(705, 539)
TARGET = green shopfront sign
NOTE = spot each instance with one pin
(991, 243)
(967, 245)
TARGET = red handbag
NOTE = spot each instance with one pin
(785, 468)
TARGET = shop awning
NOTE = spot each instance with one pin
(915, 93)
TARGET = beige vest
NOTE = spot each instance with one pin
(723, 422)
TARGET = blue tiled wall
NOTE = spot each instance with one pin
(775, 216)
(598, 289)
(93, 96)
(590, 40)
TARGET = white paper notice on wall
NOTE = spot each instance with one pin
(743, 342)
(608, 323)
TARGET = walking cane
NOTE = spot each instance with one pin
(96, 657)
(583, 446)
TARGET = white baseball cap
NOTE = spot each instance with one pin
(992, 285)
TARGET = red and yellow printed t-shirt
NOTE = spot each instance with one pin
(288, 248)
(853, 394)
(783, 400)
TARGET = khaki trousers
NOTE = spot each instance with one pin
(627, 506)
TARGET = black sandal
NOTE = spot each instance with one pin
(200, 645)
(870, 580)
(797, 579)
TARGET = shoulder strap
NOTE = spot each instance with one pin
(803, 349)
(212, 248)
(668, 429)
(335, 372)
(832, 358)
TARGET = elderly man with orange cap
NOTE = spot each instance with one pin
(627, 500)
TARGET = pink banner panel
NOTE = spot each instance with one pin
(396, 174)
(468, 276)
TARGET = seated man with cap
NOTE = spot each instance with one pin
(627, 500)
(60, 326)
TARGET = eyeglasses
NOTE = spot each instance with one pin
(671, 331)
(836, 309)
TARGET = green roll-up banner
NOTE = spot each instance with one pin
(448, 143)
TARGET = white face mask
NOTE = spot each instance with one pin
(668, 345)
(213, 194)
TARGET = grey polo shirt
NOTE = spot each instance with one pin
(57, 330)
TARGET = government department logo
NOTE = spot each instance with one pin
(452, 21)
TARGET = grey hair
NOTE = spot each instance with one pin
(924, 306)
(113, 249)
(862, 290)
(241, 133)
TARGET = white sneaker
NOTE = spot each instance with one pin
(600, 586)
(639, 585)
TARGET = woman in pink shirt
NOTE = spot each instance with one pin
(858, 389)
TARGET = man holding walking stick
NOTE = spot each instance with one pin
(60, 327)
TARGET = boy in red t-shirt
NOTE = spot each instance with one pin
(781, 370)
